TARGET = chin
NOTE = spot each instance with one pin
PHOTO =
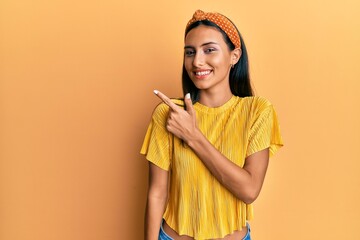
(201, 86)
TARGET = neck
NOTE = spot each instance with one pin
(215, 99)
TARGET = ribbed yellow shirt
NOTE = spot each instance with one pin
(199, 206)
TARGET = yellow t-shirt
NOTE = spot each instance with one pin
(199, 206)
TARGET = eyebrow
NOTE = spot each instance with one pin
(204, 44)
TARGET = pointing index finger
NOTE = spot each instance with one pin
(166, 100)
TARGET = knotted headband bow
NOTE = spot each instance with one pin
(221, 21)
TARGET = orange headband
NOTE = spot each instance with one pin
(221, 21)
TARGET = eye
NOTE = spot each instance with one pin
(189, 53)
(210, 50)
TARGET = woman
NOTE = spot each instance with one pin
(208, 153)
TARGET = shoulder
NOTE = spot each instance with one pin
(256, 104)
(257, 101)
(161, 111)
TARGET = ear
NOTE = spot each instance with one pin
(235, 55)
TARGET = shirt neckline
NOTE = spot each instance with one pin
(212, 110)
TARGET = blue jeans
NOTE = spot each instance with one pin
(164, 236)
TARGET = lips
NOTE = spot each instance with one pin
(202, 73)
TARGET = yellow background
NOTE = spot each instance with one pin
(76, 81)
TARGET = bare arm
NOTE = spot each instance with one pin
(245, 183)
(156, 201)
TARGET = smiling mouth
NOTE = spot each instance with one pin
(202, 73)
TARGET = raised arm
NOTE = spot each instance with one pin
(245, 183)
(156, 201)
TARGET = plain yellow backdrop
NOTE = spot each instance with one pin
(76, 81)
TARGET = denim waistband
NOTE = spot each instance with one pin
(164, 236)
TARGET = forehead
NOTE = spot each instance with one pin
(204, 34)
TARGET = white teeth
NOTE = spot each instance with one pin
(202, 73)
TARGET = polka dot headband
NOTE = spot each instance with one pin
(221, 21)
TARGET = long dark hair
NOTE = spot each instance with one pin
(239, 75)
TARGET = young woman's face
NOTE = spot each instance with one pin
(207, 58)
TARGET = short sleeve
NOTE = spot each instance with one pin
(157, 142)
(265, 131)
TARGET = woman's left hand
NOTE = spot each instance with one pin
(182, 123)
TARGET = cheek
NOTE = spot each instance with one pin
(220, 61)
(188, 65)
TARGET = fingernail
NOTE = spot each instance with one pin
(156, 92)
(187, 96)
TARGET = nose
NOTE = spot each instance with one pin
(199, 59)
